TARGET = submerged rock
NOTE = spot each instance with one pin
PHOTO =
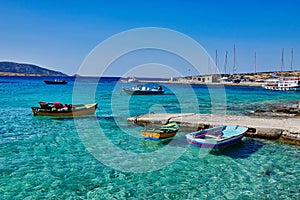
(266, 133)
(290, 137)
(278, 111)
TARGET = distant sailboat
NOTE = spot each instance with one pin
(225, 77)
(234, 61)
(216, 61)
(234, 67)
(283, 83)
(225, 62)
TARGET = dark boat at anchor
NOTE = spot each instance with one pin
(56, 82)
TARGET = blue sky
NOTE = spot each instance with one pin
(59, 34)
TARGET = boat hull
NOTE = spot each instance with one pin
(56, 82)
(216, 137)
(157, 136)
(141, 92)
(87, 109)
(165, 131)
(213, 145)
(282, 88)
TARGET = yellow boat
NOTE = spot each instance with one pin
(165, 131)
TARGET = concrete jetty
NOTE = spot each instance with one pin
(284, 129)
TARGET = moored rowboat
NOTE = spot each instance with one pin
(216, 137)
(165, 131)
(64, 110)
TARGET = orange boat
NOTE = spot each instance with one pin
(64, 110)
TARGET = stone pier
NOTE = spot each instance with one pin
(284, 129)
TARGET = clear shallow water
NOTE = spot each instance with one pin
(41, 157)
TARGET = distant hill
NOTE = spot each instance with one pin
(21, 69)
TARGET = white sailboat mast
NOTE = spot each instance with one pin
(225, 62)
(254, 63)
(282, 59)
(234, 61)
(292, 58)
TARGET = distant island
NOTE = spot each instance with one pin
(22, 69)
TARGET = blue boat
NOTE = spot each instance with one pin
(216, 137)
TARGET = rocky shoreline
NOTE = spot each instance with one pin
(23, 69)
(21, 74)
(292, 110)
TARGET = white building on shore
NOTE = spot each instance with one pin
(214, 78)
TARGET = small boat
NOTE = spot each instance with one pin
(129, 80)
(56, 81)
(165, 131)
(216, 137)
(283, 84)
(143, 90)
(64, 110)
(236, 80)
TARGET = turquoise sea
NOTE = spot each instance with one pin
(104, 157)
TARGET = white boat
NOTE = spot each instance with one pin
(216, 137)
(129, 80)
(132, 80)
(224, 79)
(143, 90)
(271, 83)
(283, 84)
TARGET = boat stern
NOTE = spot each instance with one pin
(34, 110)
